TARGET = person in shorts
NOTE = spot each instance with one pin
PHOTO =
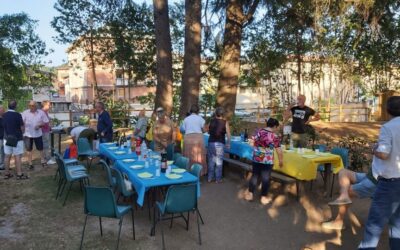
(1, 138)
(352, 184)
(13, 130)
(34, 120)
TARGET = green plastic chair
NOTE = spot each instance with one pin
(182, 162)
(70, 163)
(170, 151)
(85, 151)
(112, 181)
(100, 201)
(179, 199)
(176, 156)
(70, 175)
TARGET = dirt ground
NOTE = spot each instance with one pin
(31, 218)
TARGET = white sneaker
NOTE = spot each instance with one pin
(51, 161)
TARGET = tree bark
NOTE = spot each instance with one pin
(164, 56)
(192, 59)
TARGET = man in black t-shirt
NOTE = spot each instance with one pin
(302, 115)
(1, 138)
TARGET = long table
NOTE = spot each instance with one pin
(106, 149)
(299, 166)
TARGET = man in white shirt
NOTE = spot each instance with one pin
(385, 207)
(34, 120)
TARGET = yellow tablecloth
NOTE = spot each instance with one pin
(303, 168)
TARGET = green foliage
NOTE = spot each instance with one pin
(236, 126)
(84, 120)
(359, 151)
(21, 51)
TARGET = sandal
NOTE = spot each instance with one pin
(22, 177)
(8, 176)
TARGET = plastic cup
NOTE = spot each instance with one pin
(146, 164)
(317, 151)
(158, 172)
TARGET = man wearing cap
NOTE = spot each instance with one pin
(163, 131)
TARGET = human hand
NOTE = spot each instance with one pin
(281, 164)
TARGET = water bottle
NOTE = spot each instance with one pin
(291, 144)
(143, 148)
(245, 136)
(242, 136)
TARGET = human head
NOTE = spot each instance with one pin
(100, 107)
(46, 105)
(194, 109)
(93, 124)
(12, 105)
(219, 112)
(160, 114)
(301, 100)
(32, 106)
(273, 123)
(142, 113)
(393, 106)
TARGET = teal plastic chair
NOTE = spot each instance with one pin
(182, 162)
(100, 201)
(344, 154)
(112, 180)
(170, 151)
(67, 163)
(70, 175)
(85, 151)
(178, 200)
(176, 156)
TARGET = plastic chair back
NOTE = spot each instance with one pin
(343, 153)
(321, 147)
(182, 162)
(61, 166)
(176, 156)
(108, 172)
(196, 170)
(100, 201)
(83, 146)
(121, 183)
(170, 151)
(181, 198)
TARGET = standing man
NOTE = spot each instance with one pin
(34, 121)
(385, 207)
(141, 125)
(1, 138)
(13, 143)
(104, 123)
(163, 131)
(46, 105)
(302, 115)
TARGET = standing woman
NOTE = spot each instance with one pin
(193, 146)
(265, 141)
(218, 128)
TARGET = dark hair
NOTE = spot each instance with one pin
(393, 106)
(219, 112)
(102, 105)
(12, 105)
(272, 122)
(194, 109)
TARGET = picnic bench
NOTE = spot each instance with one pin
(275, 175)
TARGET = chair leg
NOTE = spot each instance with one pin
(64, 182)
(198, 225)
(297, 190)
(101, 227)
(201, 218)
(83, 231)
(162, 230)
(333, 182)
(133, 224)
(187, 222)
(57, 172)
(59, 188)
(119, 231)
(172, 219)
(66, 196)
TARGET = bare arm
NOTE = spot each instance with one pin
(228, 134)
(280, 156)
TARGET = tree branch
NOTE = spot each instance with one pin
(249, 16)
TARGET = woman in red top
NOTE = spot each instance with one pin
(265, 141)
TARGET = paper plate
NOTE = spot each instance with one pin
(309, 156)
(145, 175)
(112, 148)
(173, 176)
(128, 160)
(170, 162)
(120, 152)
(155, 157)
(136, 167)
(108, 143)
(178, 170)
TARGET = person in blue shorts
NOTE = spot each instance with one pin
(352, 184)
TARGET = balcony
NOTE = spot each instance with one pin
(121, 82)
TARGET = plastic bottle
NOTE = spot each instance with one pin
(143, 149)
(246, 135)
(137, 150)
(291, 144)
(164, 164)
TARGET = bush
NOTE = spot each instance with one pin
(359, 151)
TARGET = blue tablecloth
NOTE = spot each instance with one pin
(104, 149)
(142, 185)
(239, 148)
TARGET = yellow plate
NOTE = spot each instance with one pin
(136, 167)
(128, 160)
(173, 176)
(145, 175)
(170, 162)
(178, 170)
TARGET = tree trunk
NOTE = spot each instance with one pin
(230, 60)
(191, 60)
(164, 56)
(93, 68)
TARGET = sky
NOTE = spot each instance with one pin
(43, 11)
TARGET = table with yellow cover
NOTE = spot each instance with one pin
(305, 166)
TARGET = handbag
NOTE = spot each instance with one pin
(11, 141)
